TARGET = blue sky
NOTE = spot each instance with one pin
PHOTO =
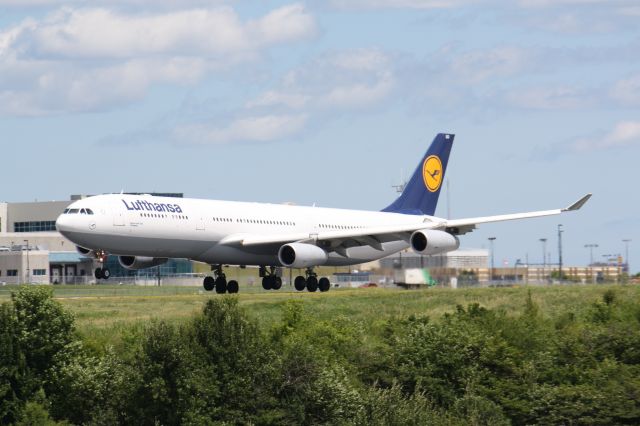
(333, 102)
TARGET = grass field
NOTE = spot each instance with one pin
(104, 312)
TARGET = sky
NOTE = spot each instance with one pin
(334, 102)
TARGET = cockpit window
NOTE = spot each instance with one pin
(83, 211)
(89, 211)
(65, 211)
(73, 211)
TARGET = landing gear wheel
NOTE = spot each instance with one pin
(277, 283)
(312, 284)
(209, 283)
(98, 273)
(106, 273)
(232, 287)
(267, 282)
(324, 284)
(221, 285)
(300, 283)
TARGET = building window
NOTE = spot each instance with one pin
(39, 272)
(12, 272)
(35, 226)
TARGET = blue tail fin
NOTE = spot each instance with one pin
(420, 196)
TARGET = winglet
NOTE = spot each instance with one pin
(578, 204)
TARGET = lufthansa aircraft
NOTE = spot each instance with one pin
(145, 230)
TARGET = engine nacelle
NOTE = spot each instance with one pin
(428, 241)
(85, 251)
(140, 262)
(300, 255)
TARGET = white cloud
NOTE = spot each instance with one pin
(102, 33)
(335, 83)
(359, 95)
(627, 91)
(249, 129)
(479, 65)
(563, 97)
(275, 98)
(624, 134)
(632, 11)
(402, 4)
(87, 59)
(351, 79)
(555, 3)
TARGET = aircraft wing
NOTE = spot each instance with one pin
(373, 236)
(341, 240)
(462, 226)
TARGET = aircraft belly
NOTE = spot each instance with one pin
(140, 246)
(364, 254)
(239, 256)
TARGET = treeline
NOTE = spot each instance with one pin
(473, 366)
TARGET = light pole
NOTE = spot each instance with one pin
(590, 247)
(560, 231)
(544, 256)
(28, 272)
(626, 255)
(491, 240)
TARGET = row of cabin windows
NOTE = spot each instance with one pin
(256, 221)
(325, 226)
(266, 222)
(173, 216)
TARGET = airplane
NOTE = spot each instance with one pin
(145, 230)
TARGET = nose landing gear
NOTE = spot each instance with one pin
(102, 272)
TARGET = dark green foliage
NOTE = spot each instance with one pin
(240, 358)
(12, 367)
(34, 414)
(390, 406)
(93, 390)
(474, 366)
(609, 297)
(45, 328)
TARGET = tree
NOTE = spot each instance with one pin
(11, 367)
(45, 329)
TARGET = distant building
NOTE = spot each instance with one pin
(458, 259)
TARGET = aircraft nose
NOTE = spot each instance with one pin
(62, 223)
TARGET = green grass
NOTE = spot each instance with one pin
(104, 312)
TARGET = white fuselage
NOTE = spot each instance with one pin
(161, 227)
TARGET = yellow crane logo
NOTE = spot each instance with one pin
(432, 173)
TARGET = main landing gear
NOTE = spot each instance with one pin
(270, 279)
(311, 282)
(219, 283)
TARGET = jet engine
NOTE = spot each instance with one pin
(140, 262)
(300, 255)
(429, 241)
(85, 251)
